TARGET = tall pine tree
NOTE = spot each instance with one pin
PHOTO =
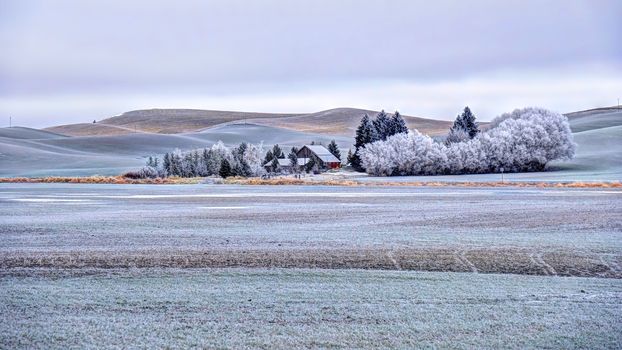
(465, 122)
(277, 152)
(398, 125)
(334, 149)
(365, 133)
(166, 163)
(293, 158)
(382, 125)
(268, 158)
(225, 169)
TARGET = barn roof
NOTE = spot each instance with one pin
(322, 153)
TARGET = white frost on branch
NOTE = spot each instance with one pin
(524, 140)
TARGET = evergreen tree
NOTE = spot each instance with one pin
(156, 162)
(334, 149)
(187, 168)
(382, 125)
(275, 164)
(240, 166)
(150, 161)
(466, 122)
(225, 169)
(195, 161)
(277, 152)
(241, 149)
(350, 155)
(268, 158)
(293, 158)
(365, 133)
(205, 170)
(166, 163)
(398, 125)
(174, 170)
(310, 164)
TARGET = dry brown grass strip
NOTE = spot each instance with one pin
(292, 181)
(100, 180)
(280, 181)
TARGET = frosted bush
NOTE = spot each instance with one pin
(524, 140)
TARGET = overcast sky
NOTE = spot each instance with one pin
(74, 61)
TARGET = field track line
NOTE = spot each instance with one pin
(612, 265)
(460, 255)
(537, 260)
(392, 258)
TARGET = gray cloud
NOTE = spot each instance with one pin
(224, 48)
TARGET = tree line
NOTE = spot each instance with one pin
(372, 130)
(244, 160)
(523, 140)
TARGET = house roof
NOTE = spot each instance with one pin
(282, 162)
(322, 153)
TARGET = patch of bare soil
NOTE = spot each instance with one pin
(510, 261)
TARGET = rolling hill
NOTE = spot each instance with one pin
(23, 154)
(161, 121)
(110, 149)
(343, 121)
(338, 122)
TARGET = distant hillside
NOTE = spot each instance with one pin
(343, 122)
(595, 119)
(91, 129)
(338, 122)
(335, 122)
(161, 121)
(116, 147)
(31, 152)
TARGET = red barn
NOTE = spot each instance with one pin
(322, 158)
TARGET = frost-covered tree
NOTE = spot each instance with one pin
(252, 157)
(465, 122)
(293, 158)
(274, 164)
(166, 163)
(334, 149)
(277, 152)
(524, 140)
(268, 158)
(457, 135)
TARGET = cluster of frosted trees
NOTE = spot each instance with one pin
(371, 130)
(242, 160)
(524, 140)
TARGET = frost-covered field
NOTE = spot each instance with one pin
(517, 230)
(88, 265)
(299, 308)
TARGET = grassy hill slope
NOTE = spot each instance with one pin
(110, 155)
(162, 121)
(338, 122)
